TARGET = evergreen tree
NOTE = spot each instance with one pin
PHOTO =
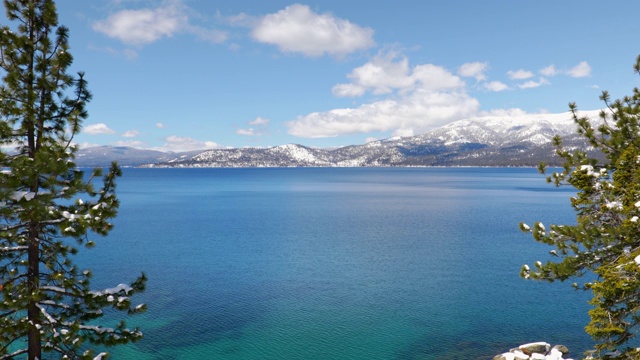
(47, 206)
(604, 244)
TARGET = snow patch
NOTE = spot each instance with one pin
(614, 205)
(114, 290)
(27, 195)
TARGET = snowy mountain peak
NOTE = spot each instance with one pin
(499, 140)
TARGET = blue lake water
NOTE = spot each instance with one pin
(364, 263)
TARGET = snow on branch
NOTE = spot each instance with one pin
(44, 312)
(14, 248)
(27, 195)
(13, 354)
(55, 304)
(114, 290)
(57, 289)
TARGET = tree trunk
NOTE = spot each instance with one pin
(33, 278)
(33, 313)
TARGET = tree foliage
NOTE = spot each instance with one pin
(604, 243)
(48, 207)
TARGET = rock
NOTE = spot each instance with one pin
(535, 348)
(554, 354)
(535, 351)
(563, 349)
(505, 356)
(519, 355)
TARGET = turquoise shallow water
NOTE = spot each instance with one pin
(416, 263)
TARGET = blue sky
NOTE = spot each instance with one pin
(181, 75)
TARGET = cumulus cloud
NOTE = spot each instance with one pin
(298, 29)
(583, 69)
(178, 143)
(386, 73)
(533, 84)
(259, 121)
(98, 129)
(549, 71)
(86, 145)
(247, 132)
(131, 143)
(474, 69)
(418, 98)
(405, 116)
(242, 19)
(130, 133)
(144, 26)
(259, 129)
(495, 86)
(519, 74)
(160, 125)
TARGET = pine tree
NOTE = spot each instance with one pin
(603, 246)
(48, 208)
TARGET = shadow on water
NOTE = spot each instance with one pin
(485, 342)
(206, 325)
(212, 319)
(459, 347)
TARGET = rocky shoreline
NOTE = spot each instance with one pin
(543, 351)
(535, 351)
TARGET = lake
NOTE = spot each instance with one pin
(337, 263)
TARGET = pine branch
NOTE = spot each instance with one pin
(13, 354)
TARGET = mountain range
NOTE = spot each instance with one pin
(509, 140)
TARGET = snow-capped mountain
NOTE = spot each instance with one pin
(125, 156)
(521, 140)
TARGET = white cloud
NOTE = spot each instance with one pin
(86, 145)
(413, 114)
(519, 74)
(549, 71)
(131, 133)
(261, 129)
(495, 86)
(298, 29)
(419, 98)
(160, 125)
(98, 129)
(348, 90)
(474, 69)
(385, 74)
(246, 132)
(131, 143)
(143, 26)
(583, 69)
(177, 143)
(533, 84)
(259, 121)
(242, 19)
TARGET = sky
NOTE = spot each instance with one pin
(181, 75)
